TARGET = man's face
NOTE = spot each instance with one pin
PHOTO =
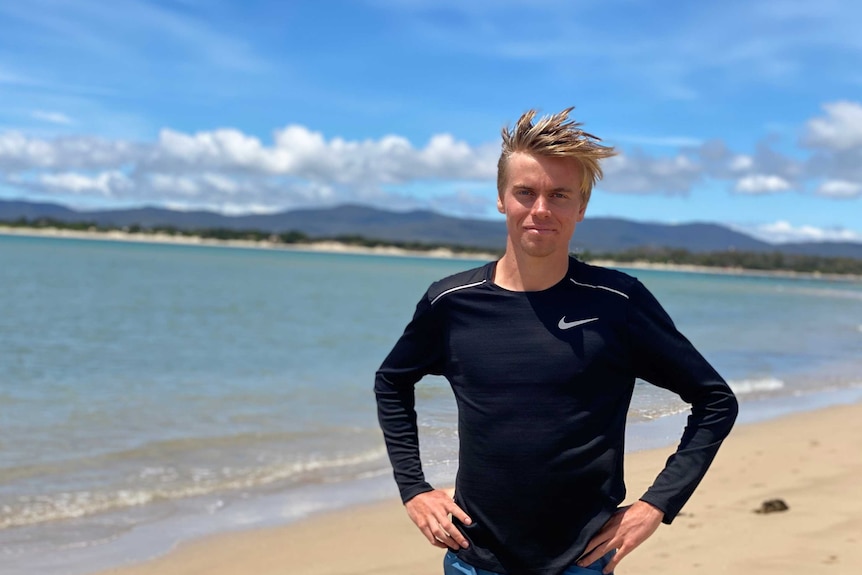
(543, 203)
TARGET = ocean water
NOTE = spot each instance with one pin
(154, 393)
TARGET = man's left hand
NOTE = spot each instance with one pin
(624, 531)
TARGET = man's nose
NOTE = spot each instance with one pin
(540, 206)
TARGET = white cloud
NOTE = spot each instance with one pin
(108, 184)
(51, 117)
(840, 130)
(172, 185)
(21, 153)
(761, 184)
(836, 141)
(214, 189)
(225, 208)
(741, 163)
(753, 170)
(464, 203)
(300, 152)
(642, 174)
(299, 166)
(221, 183)
(226, 148)
(839, 189)
(784, 232)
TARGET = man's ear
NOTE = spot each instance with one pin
(581, 213)
(500, 207)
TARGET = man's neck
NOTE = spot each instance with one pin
(524, 273)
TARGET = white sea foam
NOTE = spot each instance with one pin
(650, 413)
(36, 509)
(747, 386)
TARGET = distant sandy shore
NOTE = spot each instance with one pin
(340, 247)
(314, 246)
(812, 461)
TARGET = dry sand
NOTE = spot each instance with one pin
(812, 461)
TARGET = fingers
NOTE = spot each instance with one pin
(429, 535)
(430, 512)
(600, 551)
(447, 535)
(624, 531)
(612, 564)
(601, 543)
(595, 554)
(458, 513)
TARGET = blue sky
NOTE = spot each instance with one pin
(743, 113)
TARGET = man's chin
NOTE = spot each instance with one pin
(539, 249)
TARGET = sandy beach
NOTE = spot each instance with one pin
(812, 461)
(311, 246)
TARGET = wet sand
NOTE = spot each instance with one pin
(812, 461)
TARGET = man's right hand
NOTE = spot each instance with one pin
(430, 511)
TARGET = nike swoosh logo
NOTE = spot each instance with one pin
(570, 324)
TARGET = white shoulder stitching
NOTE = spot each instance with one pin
(456, 288)
(600, 287)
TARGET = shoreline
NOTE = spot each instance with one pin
(795, 457)
(725, 271)
(277, 510)
(329, 246)
(324, 246)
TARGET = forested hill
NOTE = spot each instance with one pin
(596, 235)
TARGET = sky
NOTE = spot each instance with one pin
(747, 114)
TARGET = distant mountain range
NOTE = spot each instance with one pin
(597, 235)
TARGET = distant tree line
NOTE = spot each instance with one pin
(759, 261)
(228, 234)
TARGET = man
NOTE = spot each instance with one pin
(542, 352)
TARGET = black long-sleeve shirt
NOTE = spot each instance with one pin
(543, 382)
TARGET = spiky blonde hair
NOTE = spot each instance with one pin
(555, 136)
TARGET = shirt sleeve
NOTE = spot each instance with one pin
(418, 352)
(664, 357)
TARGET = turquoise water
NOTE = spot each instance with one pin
(150, 393)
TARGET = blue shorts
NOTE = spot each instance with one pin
(454, 566)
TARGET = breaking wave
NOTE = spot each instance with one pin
(166, 483)
(749, 386)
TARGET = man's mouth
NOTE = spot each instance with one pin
(539, 230)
